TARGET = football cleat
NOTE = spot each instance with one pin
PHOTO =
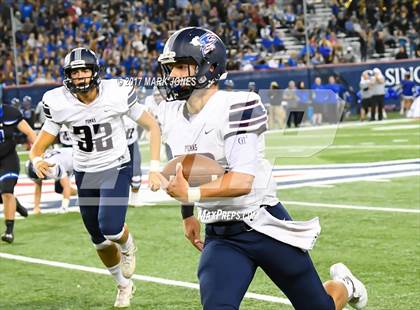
(21, 209)
(7, 237)
(124, 295)
(359, 298)
(128, 261)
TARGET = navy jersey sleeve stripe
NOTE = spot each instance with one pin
(257, 131)
(132, 103)
(47, 111)
(243, 105)
(247, 114)
(252, 122)
(131, 92)
(132, 99)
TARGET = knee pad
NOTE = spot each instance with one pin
(8, 182)
(103, 245)
(136, 182)
(114, 237)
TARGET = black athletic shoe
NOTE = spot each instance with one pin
(7, 237)
(21, 209)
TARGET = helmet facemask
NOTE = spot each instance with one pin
(177, 88)
(82, 88)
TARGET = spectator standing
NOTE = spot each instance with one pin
(402, 54)
(291, 98)
(407, 91)
(277, 114)
(317, 101)
(378, 94)
(366, 94)
(349, 56)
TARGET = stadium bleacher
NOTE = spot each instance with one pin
(128, 35)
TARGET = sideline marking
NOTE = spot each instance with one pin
(136, 276)
(351, 207)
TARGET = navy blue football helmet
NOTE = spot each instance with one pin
(196, 46)
(81, 58)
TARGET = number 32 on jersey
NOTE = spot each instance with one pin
(98, 135)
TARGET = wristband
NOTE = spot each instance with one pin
(154, 166)
(187, 211)
(36, 160)
(194, 194)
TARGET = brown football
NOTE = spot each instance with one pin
(197, 169)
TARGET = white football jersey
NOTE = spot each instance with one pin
(63, 159)
(225, 115)
(131, 130)
(151, 105)
(97, 129)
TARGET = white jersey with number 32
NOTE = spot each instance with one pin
(97, 129)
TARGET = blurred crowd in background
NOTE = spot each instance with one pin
(129, 35)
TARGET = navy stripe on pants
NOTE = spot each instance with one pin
(228, 264)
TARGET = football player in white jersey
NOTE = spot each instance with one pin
(153, 104)
(61, 172)
(246, 226)
(153, 101)
(132, 135)
(92, 110)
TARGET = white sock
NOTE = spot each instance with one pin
(128, 244)
(118, 276)
(65, 203)
(349, 286)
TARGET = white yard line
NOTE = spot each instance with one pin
(163, 281)
(396, 127)
(351, 207)
(378, 180)
(343, 146)
(322, 185)
(349, 165)
(343, 125)
(352, 135)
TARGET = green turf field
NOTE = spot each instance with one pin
(383, 248)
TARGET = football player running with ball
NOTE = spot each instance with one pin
(246, 225)
(93, 111)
